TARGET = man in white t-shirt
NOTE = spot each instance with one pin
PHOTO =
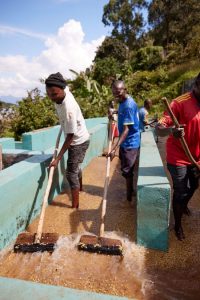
(75, 131)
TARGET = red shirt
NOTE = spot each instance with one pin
(186, 108)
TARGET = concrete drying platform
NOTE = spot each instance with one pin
(67, 266)
(142, 274)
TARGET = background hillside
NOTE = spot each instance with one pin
(156, 57)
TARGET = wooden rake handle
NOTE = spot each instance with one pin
(107, 179)
(182, 139)
(1, 158)
(47, 191)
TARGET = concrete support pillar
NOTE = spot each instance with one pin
(153, 203)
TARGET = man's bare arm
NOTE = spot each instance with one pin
(161, 130)
(64, 148)
(120, 141)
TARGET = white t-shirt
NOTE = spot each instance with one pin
(71, 119)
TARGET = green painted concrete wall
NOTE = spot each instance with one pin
(42, 139)
(7, 143)
(24, 290)
(21, 189)
(18, 145)
(92, 122)
(153, 203)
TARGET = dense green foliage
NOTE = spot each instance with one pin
(154, 59)
(111, 60)
(92, 97)
(174, 21)
(112, 47)
(33, 112)
(148, 58)
(6, 116)
(160, 83)
(126, 18)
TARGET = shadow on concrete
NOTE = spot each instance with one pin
(156, 184)
(60, 204)
(57, 203)
(156, 171)
(40, 184)
(55, 188)
(88, 218)
(93, 190)
(120, 215)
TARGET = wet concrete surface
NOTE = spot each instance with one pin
(176, 274)
(140, 274)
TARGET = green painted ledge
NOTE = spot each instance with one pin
(23, 290)
(153, 192)
(7, 143)
(42, 139)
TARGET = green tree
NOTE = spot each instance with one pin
(33, 112)
(126, 18)
(111, 61)
(7, 114)
(160, 19)
(173, 21)
(148, 58)
(192, 50)
(92, 97)
(107, 69)
(112, 47)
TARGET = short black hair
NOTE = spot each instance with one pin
(147, 101)
(117, 82)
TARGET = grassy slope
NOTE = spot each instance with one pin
(162, 82)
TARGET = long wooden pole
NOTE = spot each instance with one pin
(182, 139)
(107, 179)
(1, 158)
(46, 195)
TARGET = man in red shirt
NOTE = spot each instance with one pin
(186, 109)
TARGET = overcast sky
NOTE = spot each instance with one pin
(40, 37)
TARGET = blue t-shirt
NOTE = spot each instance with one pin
(128, 115)
(142, 115)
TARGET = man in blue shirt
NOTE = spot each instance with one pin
(143, 114)
(129, 134)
